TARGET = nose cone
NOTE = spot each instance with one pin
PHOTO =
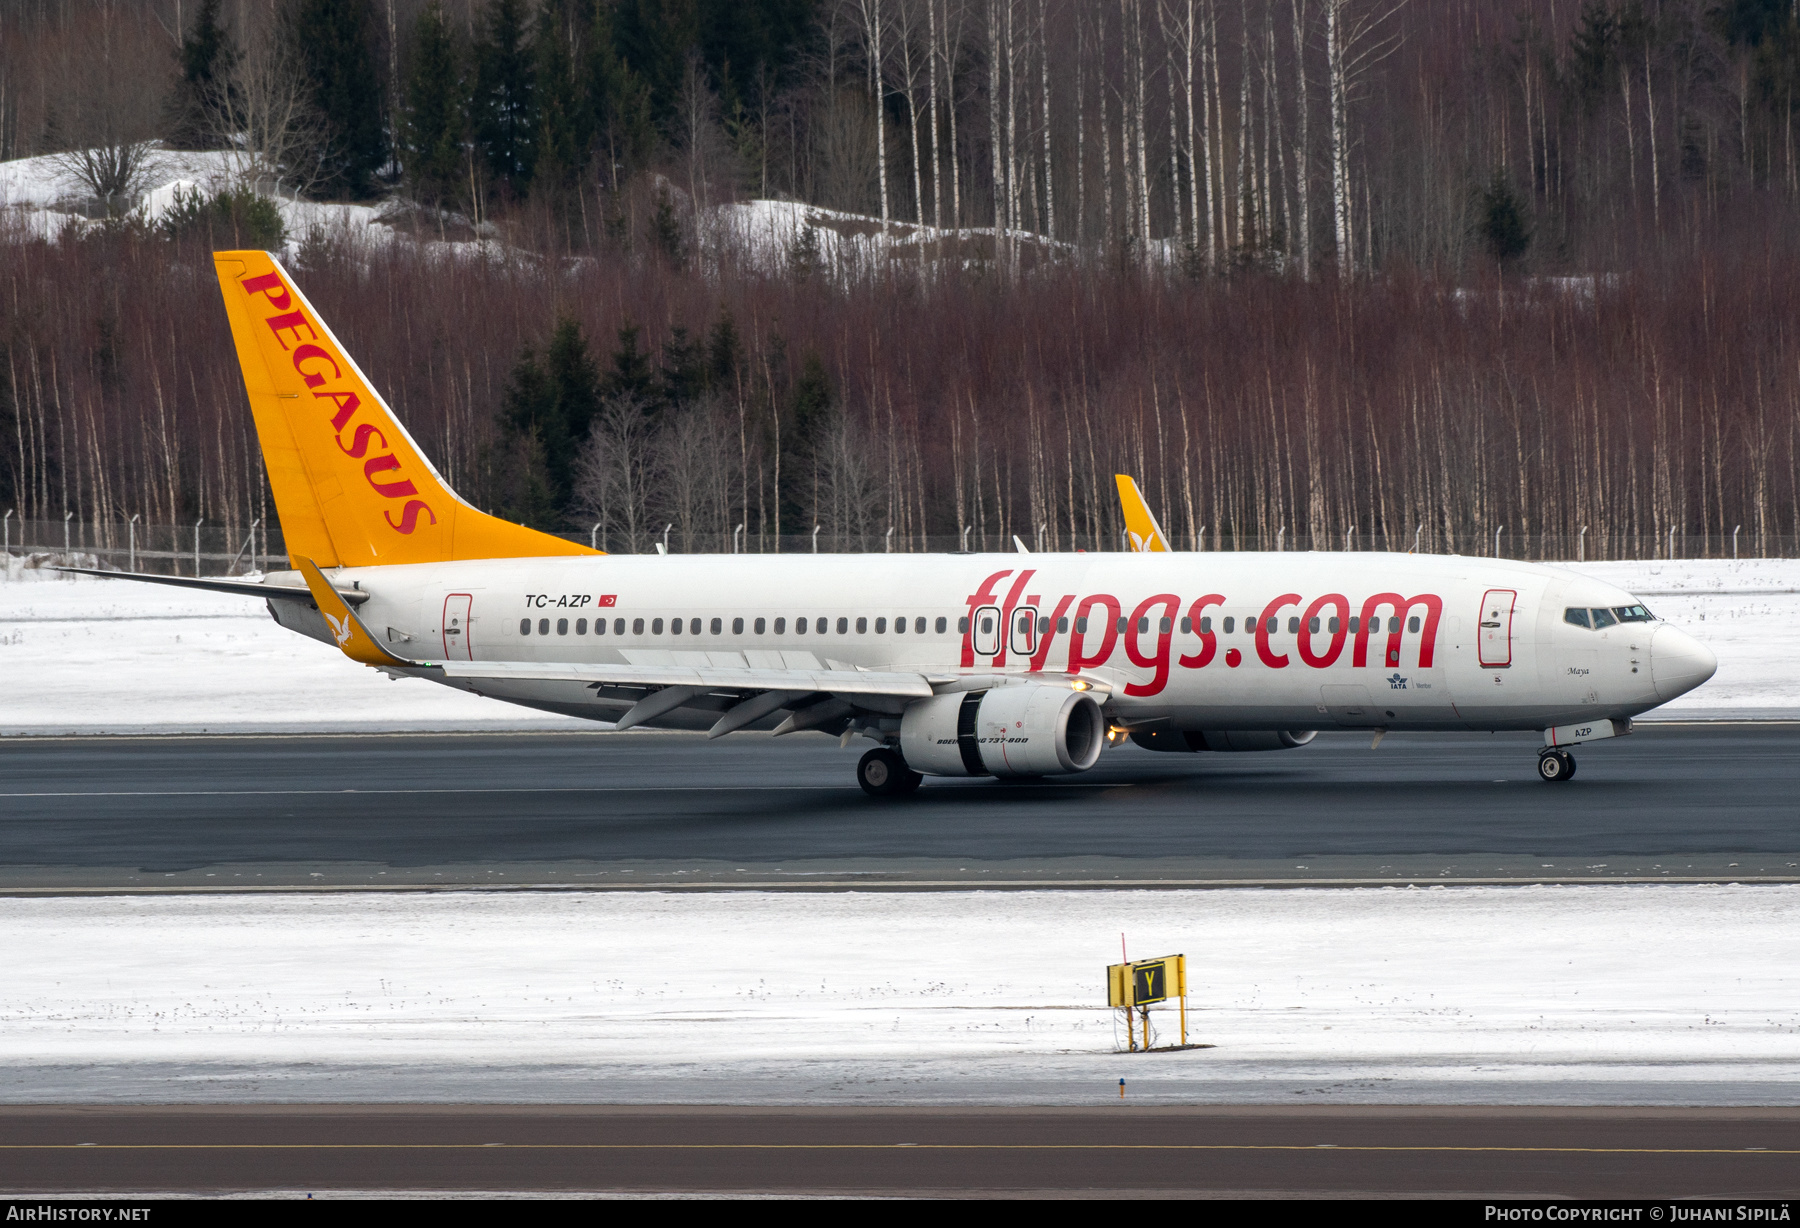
(1679, 663)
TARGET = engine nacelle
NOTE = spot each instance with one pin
(1223, 740)
(1029, 730)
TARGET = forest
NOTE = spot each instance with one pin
(1466, 275)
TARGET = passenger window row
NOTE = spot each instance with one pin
(759, 626)
(1599, 618)
(822, 626)
(1163, 625)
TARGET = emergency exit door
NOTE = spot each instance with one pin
(456, 628)
(1495, 625)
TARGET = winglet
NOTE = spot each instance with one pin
(346, 627)
(1146, 535)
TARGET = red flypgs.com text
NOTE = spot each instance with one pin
(1093, 627)
(297, 335)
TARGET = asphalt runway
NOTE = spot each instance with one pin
(1671, 802)
(1741, 1154)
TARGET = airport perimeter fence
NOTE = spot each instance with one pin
(218, 550)
(158, 549)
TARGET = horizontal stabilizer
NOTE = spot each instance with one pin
(242, 588)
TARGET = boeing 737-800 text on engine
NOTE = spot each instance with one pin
(956, 665)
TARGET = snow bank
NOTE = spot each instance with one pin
(113, 656)
(44, 197)
(811, 996)
(767, 232)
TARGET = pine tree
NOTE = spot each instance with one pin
(334, 42)
(683, 374)
(653, 37)
(504, 108)
(565, 133)
(527, 493)
(809, 415)
(665, 228)
(575, 382)
(206, 58)
(617, 101)
(724, 352)
(1500, 220)
(630, 375)
(549, 408)
(434, 109)
(1591, 48)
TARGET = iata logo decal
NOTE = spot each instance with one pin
(1396, 682)
(297, 335)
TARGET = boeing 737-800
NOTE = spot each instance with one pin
(1025, 664)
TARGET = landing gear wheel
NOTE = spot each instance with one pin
(883, 773)
(1556, 765)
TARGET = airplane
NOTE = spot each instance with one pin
(1020, 665)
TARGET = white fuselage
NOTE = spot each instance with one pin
(1389, 641)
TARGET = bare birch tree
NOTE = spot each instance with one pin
(952, 46)
(1080, 129)
(931, 63)
(1353, 46)
(1044, 81)
(1170, 77)
(267, 120)
(104, 114)
(872, 31)
(616, 472)
(906, 30)
(1101, 87)
(1302, 148)
(996, 74)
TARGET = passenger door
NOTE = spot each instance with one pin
(1495, 639)
(456, 628)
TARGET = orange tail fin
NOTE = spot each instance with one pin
(351, 486)
(1146, 535)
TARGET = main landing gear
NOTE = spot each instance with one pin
(883, 773)
(1555, 765)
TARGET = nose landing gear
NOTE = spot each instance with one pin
(1556, 765)
(883, 773)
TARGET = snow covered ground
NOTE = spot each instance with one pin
(111, 656)
(41, 197)
(85, 655)
(1523, 994)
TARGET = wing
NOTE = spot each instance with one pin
(814, 698)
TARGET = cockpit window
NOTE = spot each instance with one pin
(1576, 616)
(1604, 619)
(1633, 614)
